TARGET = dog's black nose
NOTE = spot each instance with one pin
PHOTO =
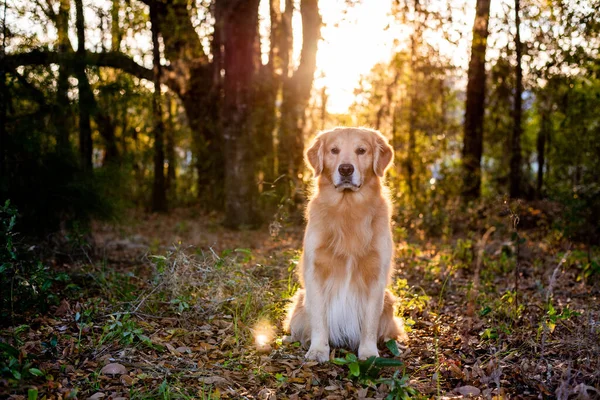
(346, 169)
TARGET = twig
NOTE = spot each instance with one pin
(554, 276)
(148, 295)
(478, 261)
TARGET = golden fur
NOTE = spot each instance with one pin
(347, 254)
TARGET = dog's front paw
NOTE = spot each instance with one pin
(318, 353)
(367, 350)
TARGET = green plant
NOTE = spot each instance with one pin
(125, 330)
(28, 281)
(15, 364)
(552, 316)
(368, 372)
(463, 251)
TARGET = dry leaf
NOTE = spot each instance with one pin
(113, 369)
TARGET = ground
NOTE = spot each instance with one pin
(175, 306)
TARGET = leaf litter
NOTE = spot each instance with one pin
(171, 311)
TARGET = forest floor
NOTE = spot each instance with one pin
(175, 306)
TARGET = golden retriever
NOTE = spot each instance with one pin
(348, 249)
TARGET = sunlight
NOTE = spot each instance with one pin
(351, 45)
(263, 335)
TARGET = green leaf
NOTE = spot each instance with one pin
(35, 372)
(339, 361)
(354, 369)
(387, 362)
(485, 311)
(392, 345)
(32, 394)
(8, 349)
(16, 374)
(351, 357)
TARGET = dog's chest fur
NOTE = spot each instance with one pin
(348, 264)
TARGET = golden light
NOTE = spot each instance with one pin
(263, 335)
(353, 41)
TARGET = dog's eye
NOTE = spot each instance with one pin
(335, 150)
(360, 151)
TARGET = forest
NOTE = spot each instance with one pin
(153, 189)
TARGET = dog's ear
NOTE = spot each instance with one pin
(383, 155)
(314, 156)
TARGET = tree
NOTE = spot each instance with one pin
(159, 192)
(475, 104)
(240, 24)
(87, 103)
(515, 140)
(296, 93)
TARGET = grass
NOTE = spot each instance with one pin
(184, 322)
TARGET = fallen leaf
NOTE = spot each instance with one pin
(113, 369)
(126, 380)
(213, 380)
(468, 390)
(95, 396)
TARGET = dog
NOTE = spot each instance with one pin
(347, 252)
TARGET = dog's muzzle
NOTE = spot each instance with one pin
(346, 178)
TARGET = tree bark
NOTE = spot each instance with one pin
(475, 105)
(295, 96)
(515, 156)
(541, 149)
(115, 29)
(86, 97)
(3, 98)
(412, 115)
(240, 29)
(159, 196)
(170, 143)
(62, 117)
(269, 83)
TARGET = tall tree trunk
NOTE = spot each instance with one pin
(266, 95)
(541, 149)
(171, 145)
(3, 98)
(475, 105)
(107, 128)
(240, 30)
(159, 195)
(412, 116)
(197, 83)
(62, 116)
(86, 97)
(115, 29)
(515, 156)
(296, 93)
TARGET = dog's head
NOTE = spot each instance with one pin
(349, 157)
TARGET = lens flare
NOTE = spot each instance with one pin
(263, 335)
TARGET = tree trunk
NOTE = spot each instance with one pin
(541, 150)
(115, 29)
(296, 93)
(412, 117)
(3, 100)
(62, 115)
(475, 105)
(159, 196)
(171, 146)
(515, 156)
(240, 30)
(86, 97)
(266, 96)
(197, 82)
